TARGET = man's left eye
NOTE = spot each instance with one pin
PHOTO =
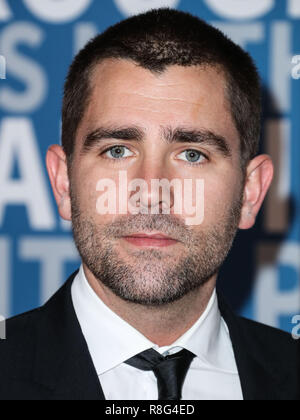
(193, 156)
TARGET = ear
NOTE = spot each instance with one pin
(260, 172)
(56, 163)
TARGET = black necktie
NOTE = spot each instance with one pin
(170, 371)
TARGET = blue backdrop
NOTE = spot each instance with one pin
(37, 42)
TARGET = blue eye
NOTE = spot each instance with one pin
(117, 152)
(193, 156)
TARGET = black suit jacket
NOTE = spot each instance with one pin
(45, 356)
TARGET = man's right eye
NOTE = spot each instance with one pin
(116, 152)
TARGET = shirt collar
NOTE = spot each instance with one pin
(111, 340)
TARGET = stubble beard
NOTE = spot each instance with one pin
(153, 277)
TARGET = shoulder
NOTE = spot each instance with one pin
(277, 351)
(268, 358)
(16, 324)
(24, 329)
(255, 335)
(17, 355)
(276, 341)
(19, 339)
(43, 325)
(269, 345)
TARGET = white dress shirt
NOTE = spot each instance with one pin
(212, 374)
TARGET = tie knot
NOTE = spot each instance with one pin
(170, 371)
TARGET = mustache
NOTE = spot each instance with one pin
(166, 224)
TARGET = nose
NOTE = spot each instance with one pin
(155, 193)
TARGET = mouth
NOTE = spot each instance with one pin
(150, 240)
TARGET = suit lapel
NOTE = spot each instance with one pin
(63, 363)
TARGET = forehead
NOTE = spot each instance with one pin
(124, 93)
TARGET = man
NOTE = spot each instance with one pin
(162, 95)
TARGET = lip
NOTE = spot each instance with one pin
(149, 236)
(150, 240)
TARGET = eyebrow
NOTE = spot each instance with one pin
(169, 136)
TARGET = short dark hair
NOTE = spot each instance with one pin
(158, 39)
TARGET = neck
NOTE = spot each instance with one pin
(162, 325)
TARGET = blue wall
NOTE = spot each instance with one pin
(37, 42)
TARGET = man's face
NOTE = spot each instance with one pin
(138, 111)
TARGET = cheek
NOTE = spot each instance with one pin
(219, 198)
(87, 183)
(87, 192)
